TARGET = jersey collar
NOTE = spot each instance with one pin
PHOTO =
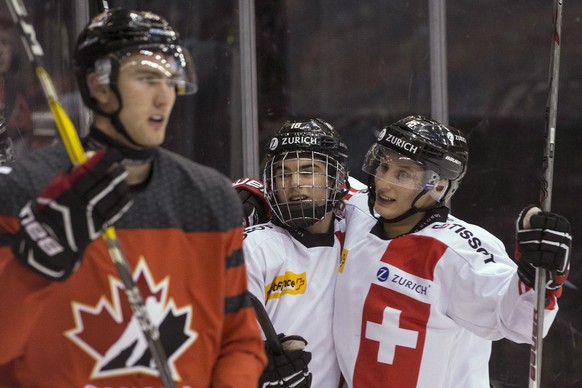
(438, 214)
(310, 240)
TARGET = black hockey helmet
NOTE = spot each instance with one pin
(312, 140)
(309, 135)
(440, 149)
(117, 33)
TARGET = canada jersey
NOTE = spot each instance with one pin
(183, 241)
(295, 275)
(422, 309)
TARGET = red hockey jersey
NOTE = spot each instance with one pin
(183, 240)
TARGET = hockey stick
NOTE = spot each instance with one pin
(535, 366)
(77, 155)
(267, 326)
(102, 6)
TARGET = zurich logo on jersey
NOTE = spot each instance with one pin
(382, 274)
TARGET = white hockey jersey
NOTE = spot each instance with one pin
(422, 309)
(295, 275)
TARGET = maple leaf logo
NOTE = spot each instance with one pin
(125, 349)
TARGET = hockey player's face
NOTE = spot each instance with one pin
(398, 181)
(393, 200)
(148, 91)
(301, 179)
(396, 169)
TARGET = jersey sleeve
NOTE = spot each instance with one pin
(21, 298)
(485, 298)
(255, 271)
(242, 357)
(21, 291)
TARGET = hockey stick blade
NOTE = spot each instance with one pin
(267, 326)
(76, 153)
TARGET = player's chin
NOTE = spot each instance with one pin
(386, 210)
(149, 143)
(153, 139)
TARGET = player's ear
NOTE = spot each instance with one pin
(98, 91)
(102, 94)
(439, 190)
(441, 186)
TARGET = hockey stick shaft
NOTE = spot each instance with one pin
(102, 6)
(267, 326)
(76, 153)
(546, 193)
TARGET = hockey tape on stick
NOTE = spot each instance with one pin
(535, 365)
(267, 326)
(76, 153)
(102, 5)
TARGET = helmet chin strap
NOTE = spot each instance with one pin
(115, 120)
(131, 156)
(114, 116)
(120, 128)
(295, 215)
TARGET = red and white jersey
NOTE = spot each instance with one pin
(422, 309)
(294, 275)
(355, 185)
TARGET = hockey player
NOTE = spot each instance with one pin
(421, 294)
(65, 321)
(292, 259)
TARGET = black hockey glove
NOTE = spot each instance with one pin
(73, 210)
(252, 195)
(543, 241)
(289, 369)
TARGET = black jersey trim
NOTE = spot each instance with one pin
(6, 239)
(233, 304)
(235, 260)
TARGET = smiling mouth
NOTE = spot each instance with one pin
(384, 198)
(157, 118)
(298, 198)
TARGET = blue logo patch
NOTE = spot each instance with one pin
(383, 274)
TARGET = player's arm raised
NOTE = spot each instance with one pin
(73, 210)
